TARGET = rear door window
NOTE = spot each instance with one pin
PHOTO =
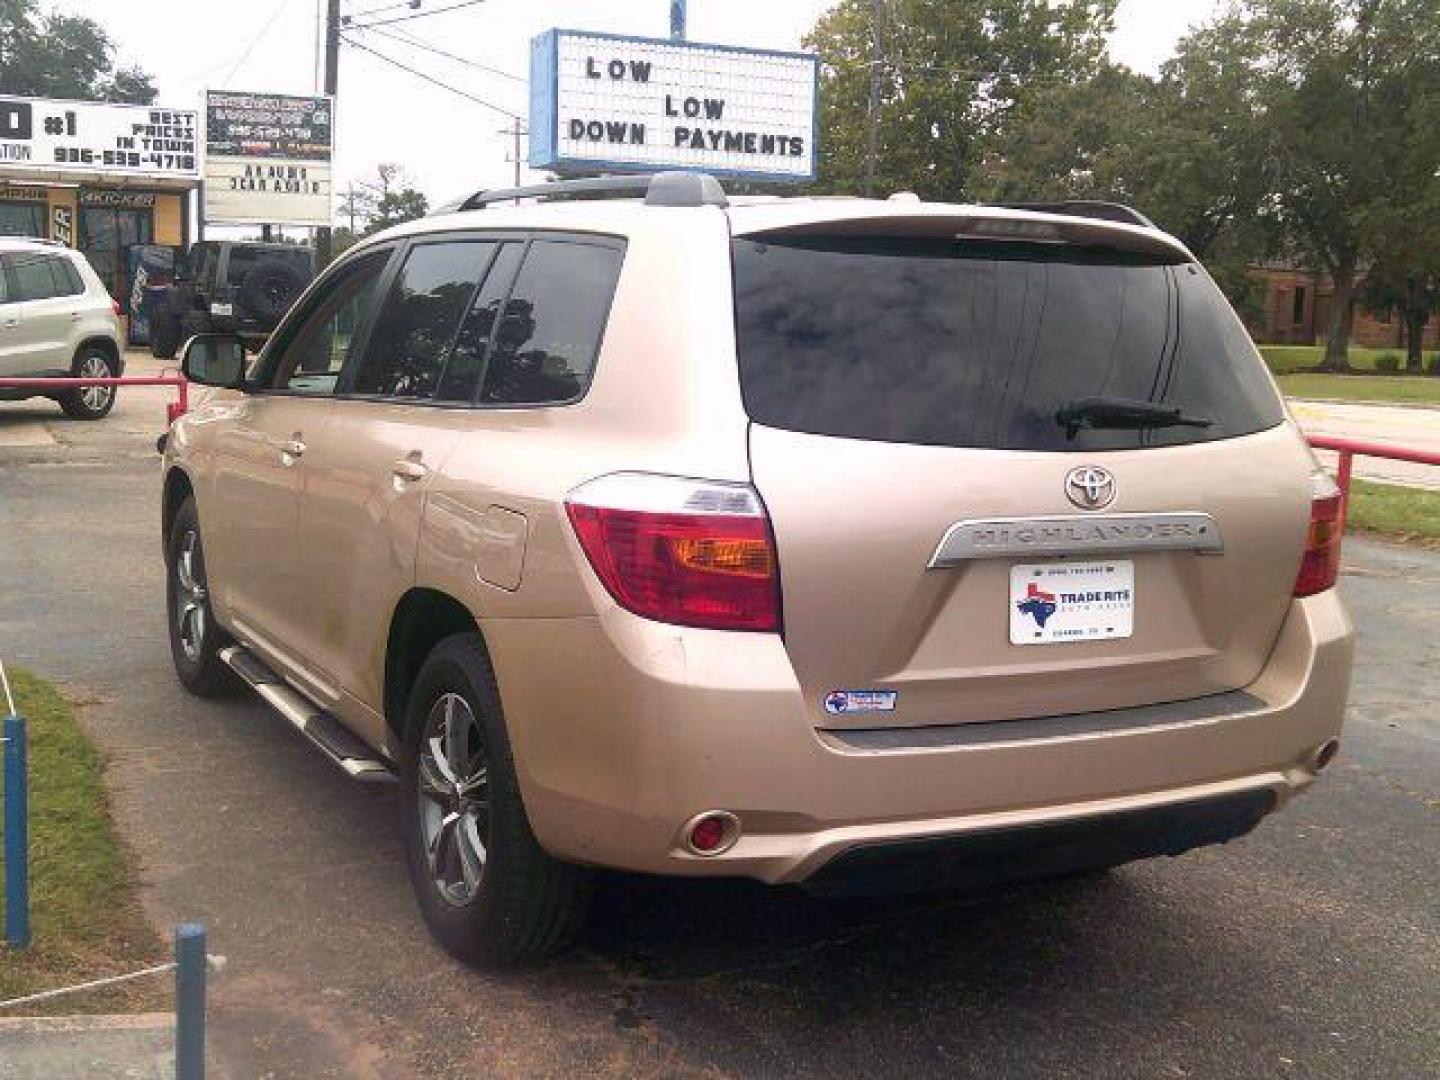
(979, 344)
(544, 347)
(419, 322)
(37, 277)
(466, 365)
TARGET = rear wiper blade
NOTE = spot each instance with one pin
(1122, 414)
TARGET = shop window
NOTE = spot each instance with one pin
(22, 219)
(106, 236)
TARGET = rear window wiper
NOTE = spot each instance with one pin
(1122, 414)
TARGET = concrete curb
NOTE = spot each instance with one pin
(1422, 406)
(66, 1025)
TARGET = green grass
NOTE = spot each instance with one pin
(1399, 512)
(85, 918)
(1411, 390)
(1288, 359)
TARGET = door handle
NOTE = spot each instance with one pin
(410, 469)
(291, 450)
(75, 316)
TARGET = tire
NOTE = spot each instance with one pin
(195, 637)
(192, 323)
(90, 402)
(269, 289)
(164, 335)
(493, 896)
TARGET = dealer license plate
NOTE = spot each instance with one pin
(1056, 602)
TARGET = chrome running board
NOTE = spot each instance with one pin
(326, 733)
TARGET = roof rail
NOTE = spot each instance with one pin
(658, 189)
(38, 240)
(1085, 208)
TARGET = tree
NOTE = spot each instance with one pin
(63, 56)
(1351, 87)
(954, 75)
(397, 207)
(387, 200)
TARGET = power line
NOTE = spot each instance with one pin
(417, 15)
(256, 40)
(412, 40)
(430, 78)
(376, 10)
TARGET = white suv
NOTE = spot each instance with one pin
(57, 320)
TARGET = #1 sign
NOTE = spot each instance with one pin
(600, 102)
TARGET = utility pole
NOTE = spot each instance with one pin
(876, 57)
(516, 129)
(332, 81)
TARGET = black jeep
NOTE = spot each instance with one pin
(229, 286)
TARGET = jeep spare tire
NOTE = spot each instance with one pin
(269, 289)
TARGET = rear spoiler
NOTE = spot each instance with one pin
(1003, 224)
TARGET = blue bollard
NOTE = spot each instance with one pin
(17, 833)
(190, 1002)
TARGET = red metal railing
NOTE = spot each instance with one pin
(1350, 449)
(173, 409)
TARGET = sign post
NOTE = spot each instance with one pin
(17, 827)
(601, 103)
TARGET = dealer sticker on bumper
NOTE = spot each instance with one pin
(847, 702)
(1057, 602)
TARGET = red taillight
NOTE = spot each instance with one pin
(687, 552)
(115, 306)
(1321, 564)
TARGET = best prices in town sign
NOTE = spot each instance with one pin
(616, 104)
(41, 136)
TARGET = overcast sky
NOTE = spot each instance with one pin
(445, 143)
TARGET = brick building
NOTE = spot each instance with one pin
(1296, 309)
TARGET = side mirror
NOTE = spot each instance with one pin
(214, 360)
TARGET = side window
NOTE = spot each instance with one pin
(550, 330)
(5, 279)
(314, 353)
(420, 319)
(33, 277)
(67, 278)
(462, 374)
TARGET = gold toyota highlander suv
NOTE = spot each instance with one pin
(854, 544)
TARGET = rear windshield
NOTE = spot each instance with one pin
(979, 344)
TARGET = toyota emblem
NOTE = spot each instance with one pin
(1090, 487)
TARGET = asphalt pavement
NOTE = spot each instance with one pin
(1309, 949)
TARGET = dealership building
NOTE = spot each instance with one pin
(99, 177)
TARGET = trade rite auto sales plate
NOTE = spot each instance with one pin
(1059, 602)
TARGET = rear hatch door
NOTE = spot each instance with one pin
(951, 553)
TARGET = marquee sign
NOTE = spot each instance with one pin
(600, 102)
(267, 158)
(41, 135)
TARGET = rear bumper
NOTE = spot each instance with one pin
(643, 726)
(986, 857)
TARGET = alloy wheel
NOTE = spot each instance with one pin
(95, 398)
(453, 792)
(190, 610)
